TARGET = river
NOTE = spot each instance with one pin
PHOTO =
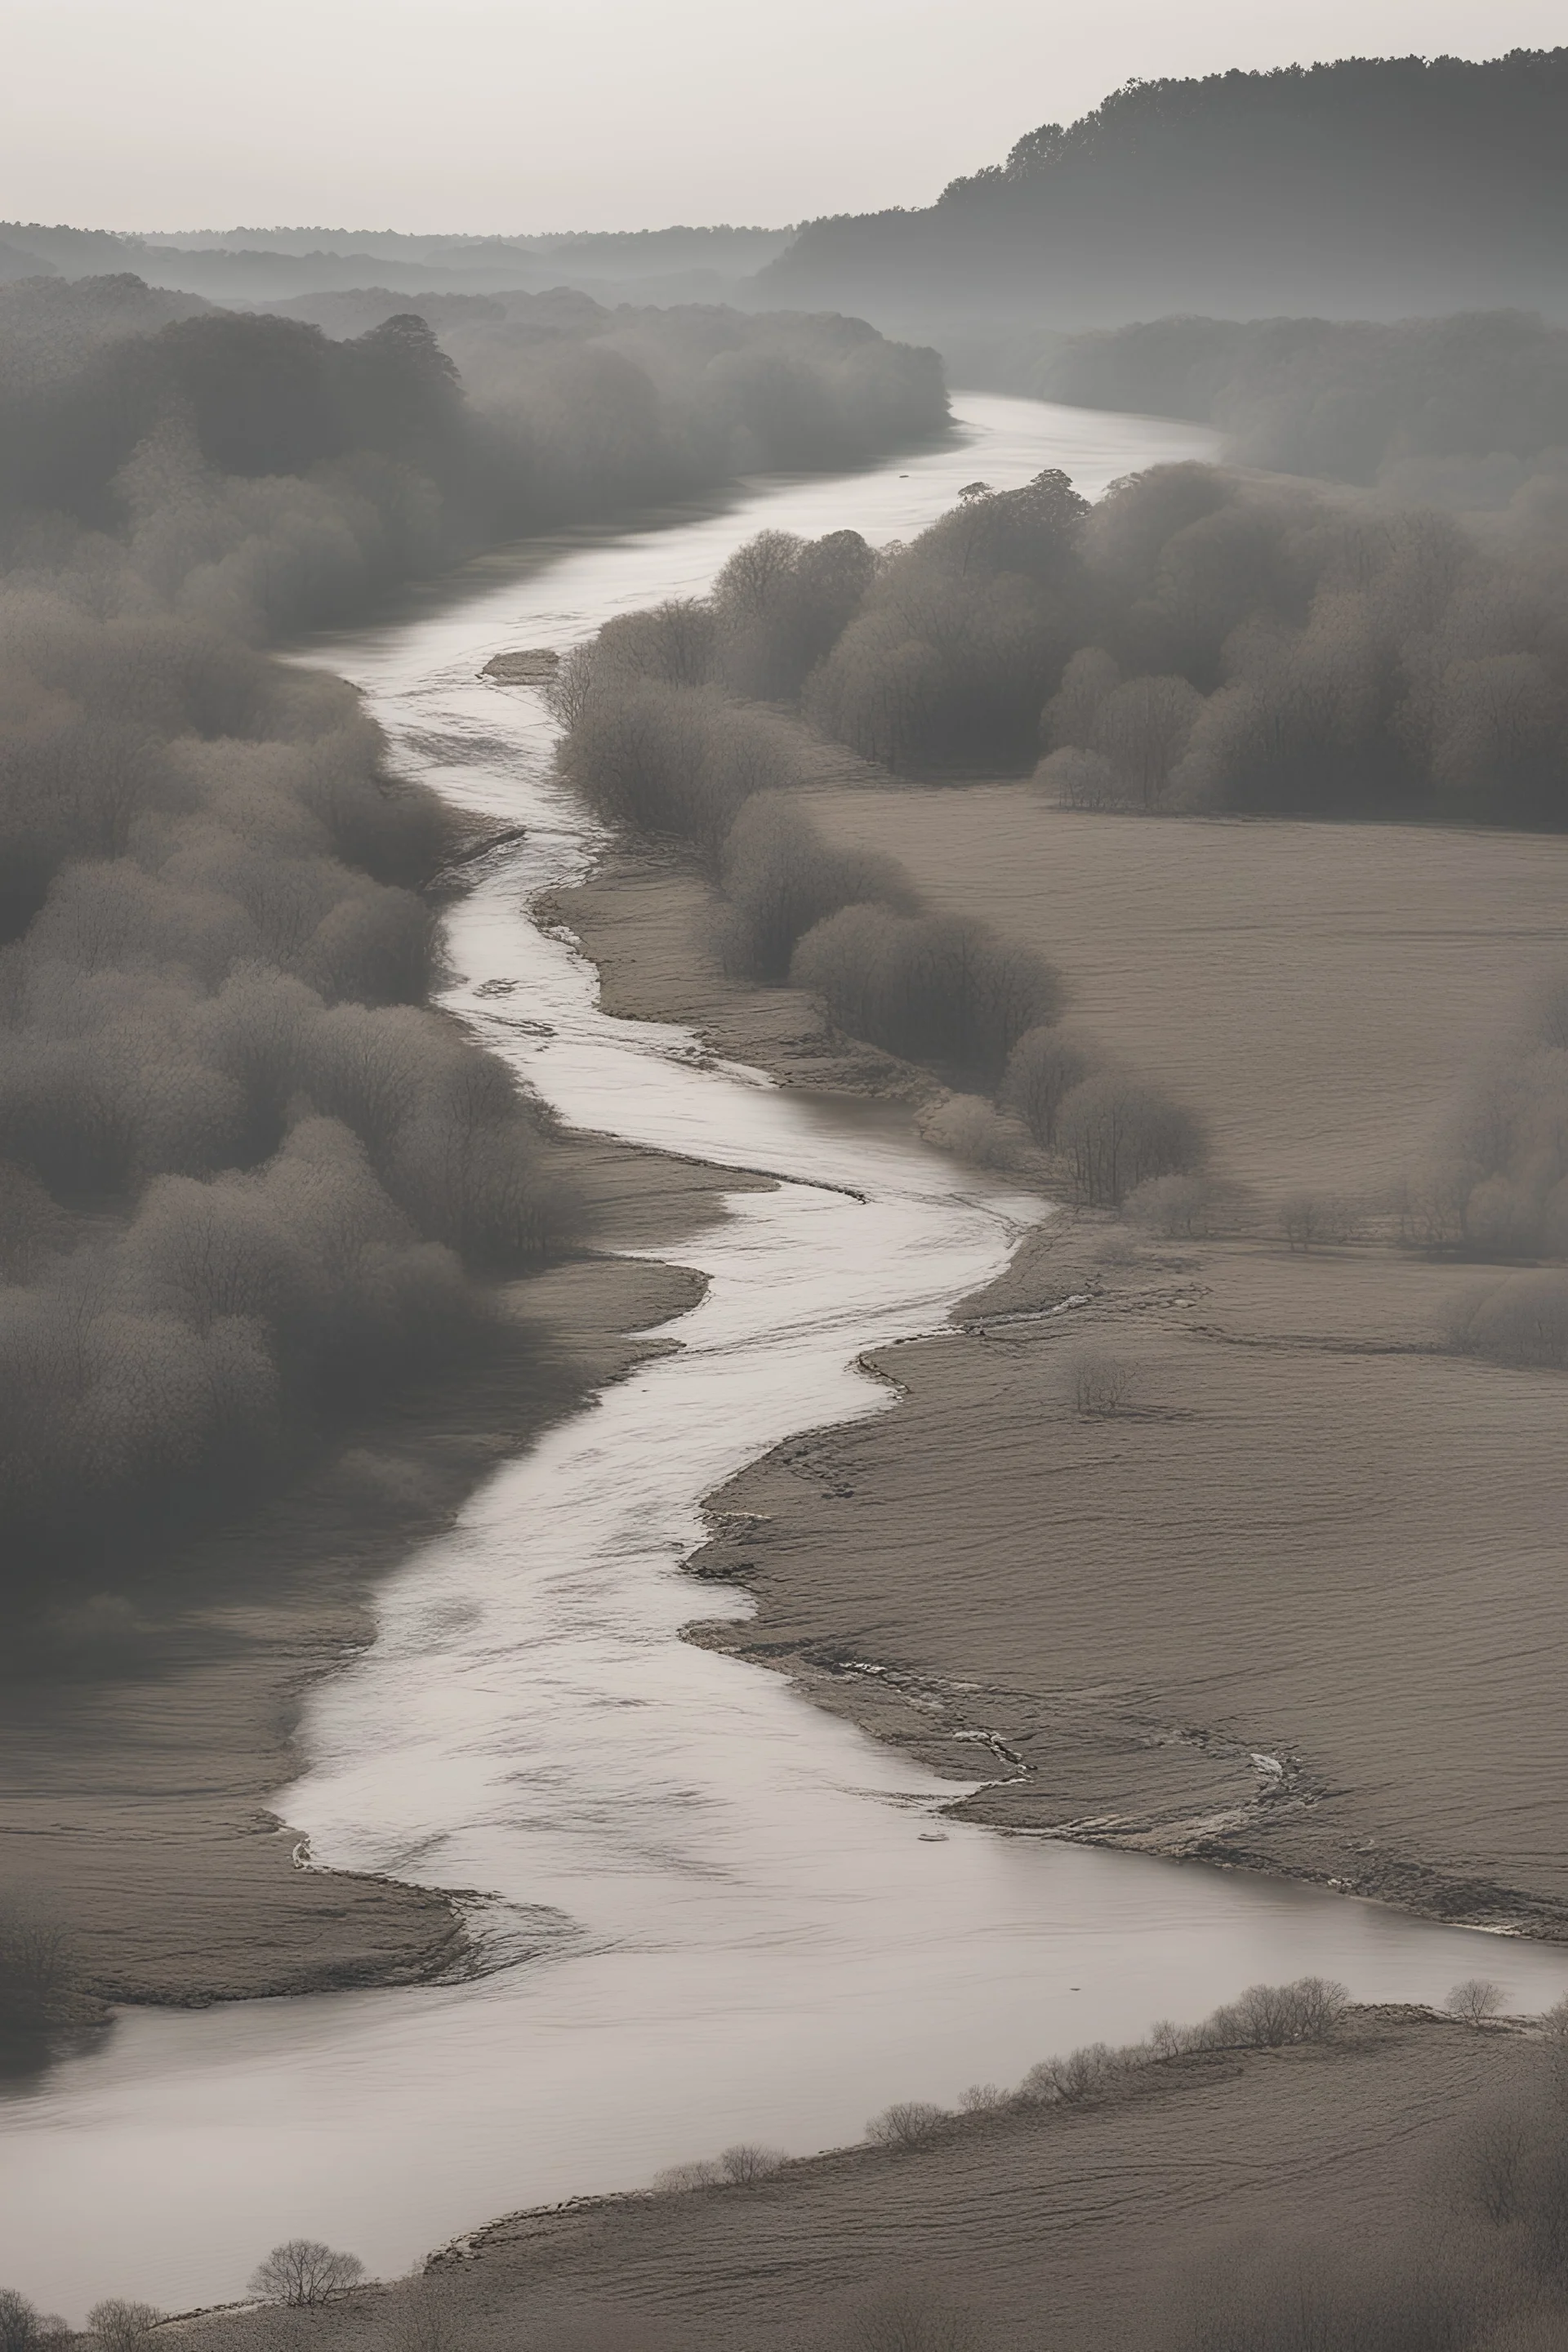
(723, 1914)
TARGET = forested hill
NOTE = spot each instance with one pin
(1370, 188)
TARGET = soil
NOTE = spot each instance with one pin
(1091, 2229)
(1302, 1602)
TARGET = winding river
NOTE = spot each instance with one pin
(721, 1913)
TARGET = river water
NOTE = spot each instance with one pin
(723, 1915)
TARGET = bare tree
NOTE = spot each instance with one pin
(676, 2179)
(1317, 1220)
(122, 2326)
(746, 2163)
(1115, 1133)
(1477, 2001)
(908, 2123)
(302, 2272)
(21, 2324)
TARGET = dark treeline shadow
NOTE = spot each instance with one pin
(1371, 188)
(1460, 410)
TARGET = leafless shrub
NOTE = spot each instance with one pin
(779, 879)
(938, 989)
(1269, 2017)
(677, 2179)
(1043, 1068)
(1475, 2001)
(1083, 2074)
(1521, 1320)
(122, 2326)
(1195, 1208)
(908, 2123)
(968, 1127)
(981, 2099)
(1317, 1220)
(1116, 1132)
(1101, 1385)
(21, 2323)
(302, 2272)
(746, 2163)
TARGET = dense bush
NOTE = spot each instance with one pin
(1116, 1133)
(1203, 642)
(934, 988)
(1497, 1184)
(962, 636)
(247, 1175)
(780, 879)
(249, 1182)
(255, 467)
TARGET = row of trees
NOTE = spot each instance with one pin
(654, 742)
(1198, 641)
(248, 1181)
(252, 467)
(1473, 403)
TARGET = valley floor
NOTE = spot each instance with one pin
(135, 1788)
(1302, 1604)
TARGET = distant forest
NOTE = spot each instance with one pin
(248, 1181)
(1461, 409)
(1372, 188)
(270, 265)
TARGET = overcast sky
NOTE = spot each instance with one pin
(512, 115)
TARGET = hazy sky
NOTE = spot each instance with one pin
(514, 115)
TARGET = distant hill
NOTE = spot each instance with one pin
(1373, 188)
(256, 266)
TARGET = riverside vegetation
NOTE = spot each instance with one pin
(1470, 2255)
(251, 1185)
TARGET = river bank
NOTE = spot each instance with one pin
(1294, 1609)
(758, 1923)
(136, 1781)
(1108, 2216)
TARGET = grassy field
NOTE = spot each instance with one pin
(1315, 989)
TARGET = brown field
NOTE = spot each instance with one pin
(1073, 2228)
(1316, 990)
(1313, 1533)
